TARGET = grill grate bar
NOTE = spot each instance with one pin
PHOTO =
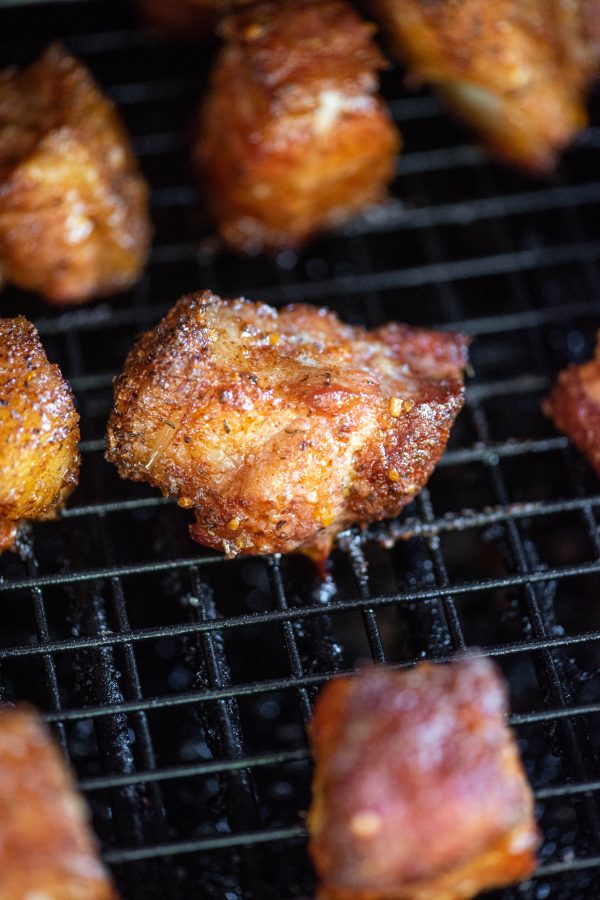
(289, 834)
(103, 316)
(221, 842)
(291, 644)
(281, 684)
(291, 757)
(43, 631)
(181, 630)
(437, 273)
(396, 216)
(360, 572)
(213, 767)
(509, 581)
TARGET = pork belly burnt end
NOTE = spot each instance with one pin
(46, 846)
(73, 207)
(518, 72)
(292, 136)
(283, 428)
(419, 792)
(39, 431)
(574, 406)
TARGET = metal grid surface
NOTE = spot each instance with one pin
(180, 684)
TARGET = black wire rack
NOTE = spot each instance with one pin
(180, 684)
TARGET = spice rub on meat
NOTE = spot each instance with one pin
(283, 428)
(574, 406)
(47, 849)
(419, 792)
(73, 207)
(39, 431)
(518, 71)
(292, 135)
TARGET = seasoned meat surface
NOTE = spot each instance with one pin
(574, 406)
(516, 70)
(46, 846)
(282, 428)
(419, 792)
(292, 135)
(73, 206)
(39, 431)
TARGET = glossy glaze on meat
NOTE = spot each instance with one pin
(518, 71)
(73, 207)
(292, 136)
(39, 431)
(47, 850)
(282, 428)
(574, 406)
(419, 792)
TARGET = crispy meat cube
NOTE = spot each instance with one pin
(47, 849)
(516, 70)
(574, 406)
(39, 431)
(283, 428)
(419, 792)
(73, 206)
(292, 136)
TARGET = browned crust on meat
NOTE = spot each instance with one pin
(292, 136)
(74, 218)
(39, 431)
(574, 407)
(419, 792)
(517, 70)
(283, 428)
(46, 846)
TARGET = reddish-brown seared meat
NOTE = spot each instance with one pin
(73, 206)
(292, 136)
(419, 792)
(282, 428)
(518, 71)
(39, 431)
(574, 406)
(46, 846)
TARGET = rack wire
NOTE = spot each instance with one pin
(180, 684)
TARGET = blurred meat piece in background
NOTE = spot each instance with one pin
(574, 406)
(47, 850)
(517, 71)
(74, 220)
(292, 136)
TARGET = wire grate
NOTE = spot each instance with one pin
(180, 684)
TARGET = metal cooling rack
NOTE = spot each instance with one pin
(180, 684)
